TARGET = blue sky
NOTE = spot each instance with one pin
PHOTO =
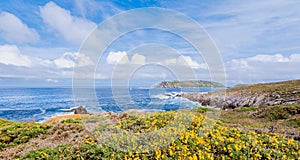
(39, 40)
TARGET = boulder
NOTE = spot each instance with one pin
(78, 110)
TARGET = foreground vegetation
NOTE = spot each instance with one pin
(159, 135)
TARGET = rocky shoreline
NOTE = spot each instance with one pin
(268, 94)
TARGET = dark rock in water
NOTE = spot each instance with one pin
(79, 110)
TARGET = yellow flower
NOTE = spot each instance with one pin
(257, 155)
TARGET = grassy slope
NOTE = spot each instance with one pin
(284, 120)
(284, 89)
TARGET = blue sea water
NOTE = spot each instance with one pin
(39, 104)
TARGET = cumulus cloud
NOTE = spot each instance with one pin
(121, 57)
(13, 30)
(269, 58)
(263, 58)
(10, 55)
(186, 61)
(73, 29)
(264, 67)
(138, 59)
(68, 60)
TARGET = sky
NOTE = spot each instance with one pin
(40, 41)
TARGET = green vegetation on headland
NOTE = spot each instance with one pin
(189, 84)
(185, 134)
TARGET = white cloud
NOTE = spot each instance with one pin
(244, 28)
(264, 58)
(186, 61)
(264, 67)
(269, 58)
(170, 61)
(13, 30)
(14, 63)
(138, 59)
(10, 55)
(73, 29)
(52, 80)
(119, 57)
(295, 57)
(68, 60)
(65, 61)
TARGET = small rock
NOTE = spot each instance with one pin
(79, 110)
(295, 92)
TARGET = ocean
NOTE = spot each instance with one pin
(40, 104)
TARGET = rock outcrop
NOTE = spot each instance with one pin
(269, 94)
(78, 110)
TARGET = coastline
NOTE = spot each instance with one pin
(276, 126)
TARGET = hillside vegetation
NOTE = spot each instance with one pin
(186, 134)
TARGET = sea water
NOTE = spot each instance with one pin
(39, 104)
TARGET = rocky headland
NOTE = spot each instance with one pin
(267, 94)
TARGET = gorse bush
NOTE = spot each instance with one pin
(20, 132)
(202, 138)
(4, 123)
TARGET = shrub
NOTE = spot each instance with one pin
(76, 121)
(20, 132)
(248, 108)
(200, 140)
(202, 109)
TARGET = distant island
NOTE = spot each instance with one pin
(189, 84)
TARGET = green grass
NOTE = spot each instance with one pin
(283, 119)
(293, 123)
(284, 89)
(76, 121)
(248, 108)
(278, 112)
